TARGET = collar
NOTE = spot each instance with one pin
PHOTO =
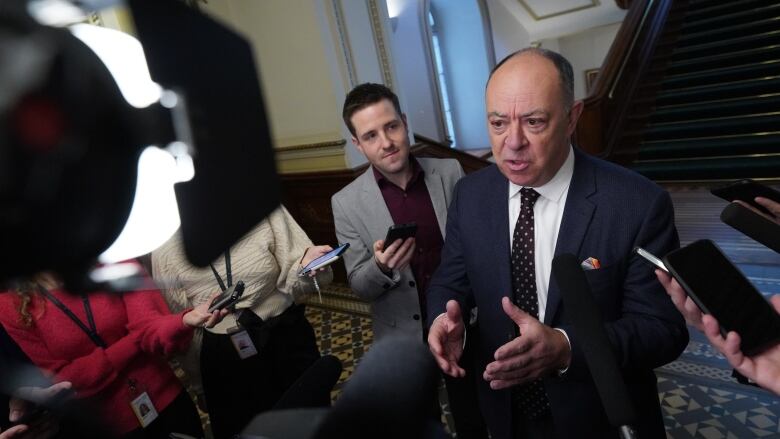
(417, 173)
(554, 189)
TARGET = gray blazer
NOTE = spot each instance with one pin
(361, 218)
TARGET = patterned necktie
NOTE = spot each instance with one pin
(530, 398)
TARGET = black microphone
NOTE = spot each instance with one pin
(313, 387)
(390, 395)
(584, 314)
(753, 225)
(302, 407)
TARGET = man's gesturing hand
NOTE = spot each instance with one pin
(445, 339)
(538, 350)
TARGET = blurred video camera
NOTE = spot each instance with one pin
(72, 143)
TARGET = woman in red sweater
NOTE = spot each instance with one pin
(113, 348)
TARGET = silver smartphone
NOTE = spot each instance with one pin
(651, 258)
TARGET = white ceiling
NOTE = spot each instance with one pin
(544, 19)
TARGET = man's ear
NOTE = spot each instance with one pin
(574, 116)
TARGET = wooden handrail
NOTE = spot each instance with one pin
(603, 116)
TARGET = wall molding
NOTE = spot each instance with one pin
(312, 157)
(379, 42)
(346, 48)
(310, 146)
(532, 13)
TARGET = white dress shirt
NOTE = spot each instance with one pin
(548, 212)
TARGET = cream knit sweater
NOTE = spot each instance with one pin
(266, 259)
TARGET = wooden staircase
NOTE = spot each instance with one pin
(707, 104)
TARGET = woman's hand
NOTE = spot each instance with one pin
(200, 317)
(313, 253)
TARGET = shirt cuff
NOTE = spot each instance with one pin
(565, 369)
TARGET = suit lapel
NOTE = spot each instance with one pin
(375, 211)
(435, 186)
(577, 215)
(497, 208)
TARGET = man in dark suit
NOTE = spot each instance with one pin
(505, 224)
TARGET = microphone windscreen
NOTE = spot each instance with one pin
(390, 395)
(581, 310)
(313, 387)
(750, 223)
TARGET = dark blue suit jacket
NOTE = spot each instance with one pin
(609, 210)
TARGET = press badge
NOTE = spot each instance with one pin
(144, 409)
(243, 344)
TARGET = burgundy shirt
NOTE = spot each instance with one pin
(414, 205)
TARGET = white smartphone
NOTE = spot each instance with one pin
(651, 258)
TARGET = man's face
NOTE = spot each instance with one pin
(528, 123)
(381, 135)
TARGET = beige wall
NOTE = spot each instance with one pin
(587, 50)
(290, 53)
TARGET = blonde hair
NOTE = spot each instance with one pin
(28, 291)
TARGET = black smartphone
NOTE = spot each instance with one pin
(399, 231)
(747, 190)
(720, 289)
(753, 225)
(228, 297)
(326, 259)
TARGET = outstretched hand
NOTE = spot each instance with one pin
(538, 350)
(200, 317)
(24, 400)
(763, 368)
(445, 340)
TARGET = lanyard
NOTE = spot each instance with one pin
(91, 331)
(228, 272)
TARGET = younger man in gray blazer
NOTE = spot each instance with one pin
(396, 189)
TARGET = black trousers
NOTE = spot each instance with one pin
(237, 390)
(180, 416)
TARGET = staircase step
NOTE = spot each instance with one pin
(743, 124)
(717, 108)
(752, 55)
(718, 91)
(713, 168)
(751, 71)
(720, 47)
(719, 8)
(768, 24)
(754, 143)
(747, 15)
(694, 5)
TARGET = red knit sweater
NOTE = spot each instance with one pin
(139, 330)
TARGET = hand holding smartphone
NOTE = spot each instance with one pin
(747, 190)
(324, 260)
(399, 231)
(720, 289)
